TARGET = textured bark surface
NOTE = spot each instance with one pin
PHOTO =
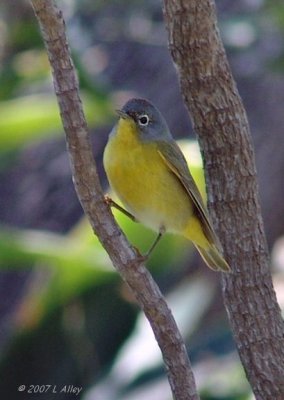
(91, 197)
(221, 123)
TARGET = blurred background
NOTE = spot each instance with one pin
(66, 318)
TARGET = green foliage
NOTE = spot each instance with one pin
(35, 117)
(276, 10)
(75, 262)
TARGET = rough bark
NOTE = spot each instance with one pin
(220, 121)
(87, 185)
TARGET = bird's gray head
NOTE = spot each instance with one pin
(148, 119)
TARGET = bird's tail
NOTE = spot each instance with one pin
(213, 258)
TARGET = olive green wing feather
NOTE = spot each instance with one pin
(175, 161)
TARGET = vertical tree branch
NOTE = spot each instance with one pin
(221, 123)
(91, 197)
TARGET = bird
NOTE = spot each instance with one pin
(147, 170)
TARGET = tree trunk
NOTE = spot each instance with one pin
(220, 121)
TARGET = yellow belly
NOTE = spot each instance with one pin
(144, 184)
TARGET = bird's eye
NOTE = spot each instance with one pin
(143, 120)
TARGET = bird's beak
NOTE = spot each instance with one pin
(122, 114)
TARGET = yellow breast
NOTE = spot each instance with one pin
(143, 182)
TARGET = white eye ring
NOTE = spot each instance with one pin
(143, 120)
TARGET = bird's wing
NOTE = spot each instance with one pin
(175, 161)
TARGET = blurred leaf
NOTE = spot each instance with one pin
(191, 151)
(276, 65)
(24, 34)
(276, 9)
(33, 117)
(68, 265)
